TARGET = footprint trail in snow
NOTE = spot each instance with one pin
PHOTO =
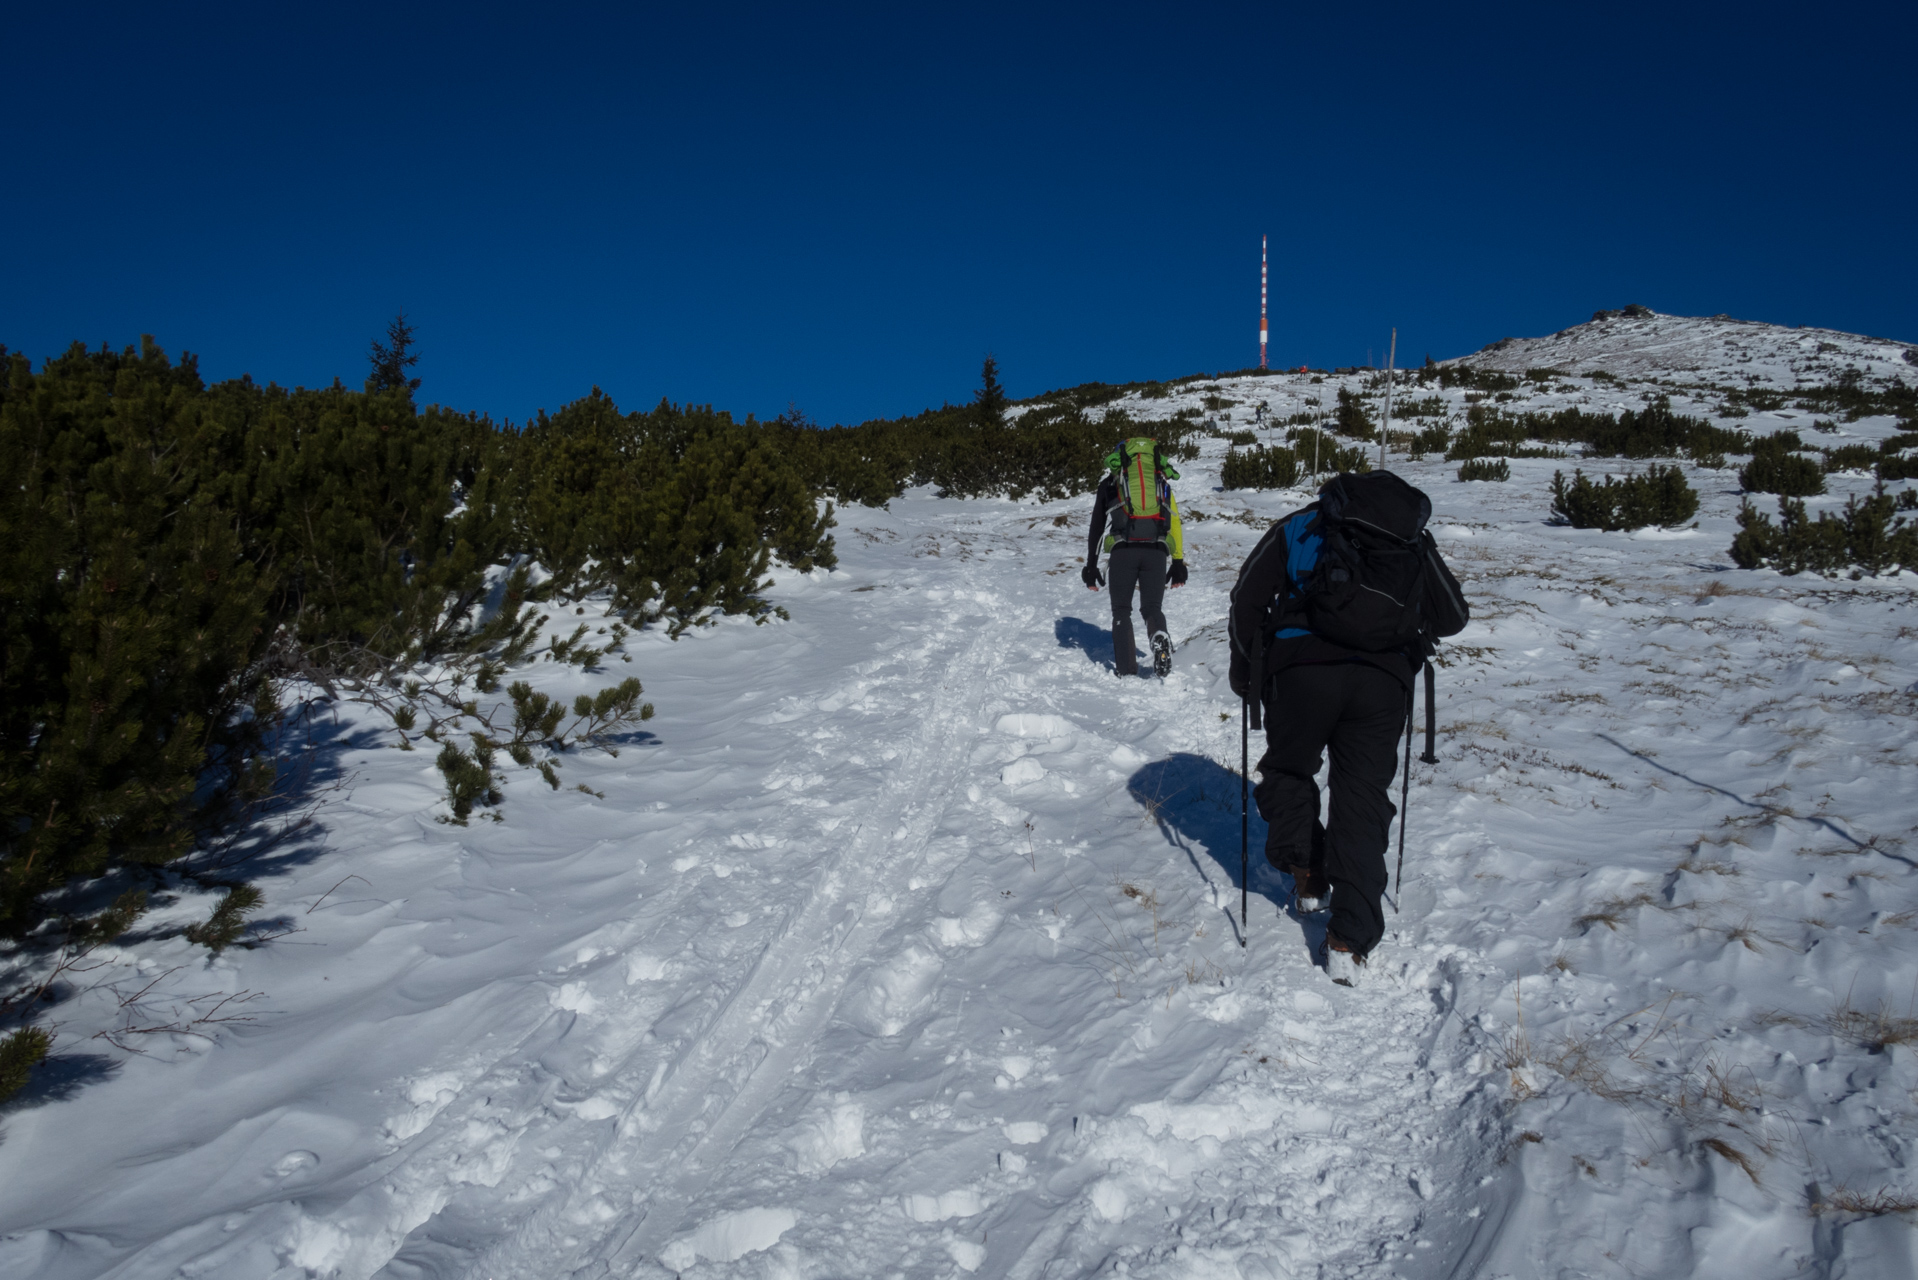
(907, 943)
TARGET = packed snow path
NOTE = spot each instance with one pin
(905, 944)
(889, 1062)
(909, 947)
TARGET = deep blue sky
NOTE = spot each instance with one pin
(846, 206)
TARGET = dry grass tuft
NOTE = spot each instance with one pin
(1875, 1029)
(1871, 1029)
(1747, 933)
(1868, 1204)
(1614, 909)
(1148, 899)
(1624, 1063)
(1734, 1155)
(1716, 589)
(1699, 865)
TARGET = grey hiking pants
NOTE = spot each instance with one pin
(1127, 567)
(1358, 711)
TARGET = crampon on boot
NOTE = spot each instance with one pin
(1162, 654)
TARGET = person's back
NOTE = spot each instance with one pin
(1333, 613)
(1135, 519)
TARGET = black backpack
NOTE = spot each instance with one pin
(1378, 583)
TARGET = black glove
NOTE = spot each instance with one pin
(1091, 576)
(1240, 679)
(1177, 576)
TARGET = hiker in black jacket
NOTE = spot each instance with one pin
(1333, 613)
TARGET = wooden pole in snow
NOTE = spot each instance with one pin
(1386, 425)
(1318, 430)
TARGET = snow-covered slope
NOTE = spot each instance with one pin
(1715, 349)
(906, 943)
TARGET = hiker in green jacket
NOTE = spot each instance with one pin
(1135, 517)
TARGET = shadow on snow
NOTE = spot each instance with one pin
(59, 1077)
(1094, 641)
(1195, 801)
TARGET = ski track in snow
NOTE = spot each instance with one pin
(670, 1143)
(910, 946)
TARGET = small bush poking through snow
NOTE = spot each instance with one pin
(1351, 419)
(1272, 467)
(1775, 468)
(19, 1054)
(1851, 457)
(1485, 469)
(223, 928)
(470, 779)
(1658, 497)
(1433, 439)
(1866, 538)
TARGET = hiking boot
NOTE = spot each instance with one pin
(1311, 893)
(1162, 654)
(1342, 964)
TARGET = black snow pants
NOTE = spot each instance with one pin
(1358, 711)
(1144, 567)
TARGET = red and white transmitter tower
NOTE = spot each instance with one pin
(1261, 302)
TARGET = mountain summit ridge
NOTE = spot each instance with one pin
(1639, 342)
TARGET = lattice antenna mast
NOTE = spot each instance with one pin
(1262, 330)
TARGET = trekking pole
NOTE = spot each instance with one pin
(1245, 840)
(1405, 797)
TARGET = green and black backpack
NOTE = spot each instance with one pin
(1143, 513)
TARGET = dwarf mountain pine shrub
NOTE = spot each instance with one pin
(1436, 438)
(169, 550)
(1867, 538)
(1270, 467)
(1776, 468)
(470, 779)
(139, 587)
(1658, 496)
(1851, 457)
(1485, 469)
(1458, 375)
(677, 512)
(1428, 407)
(1350, 418)
(1893, 462)
(1652, 432)
(1321, 453)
